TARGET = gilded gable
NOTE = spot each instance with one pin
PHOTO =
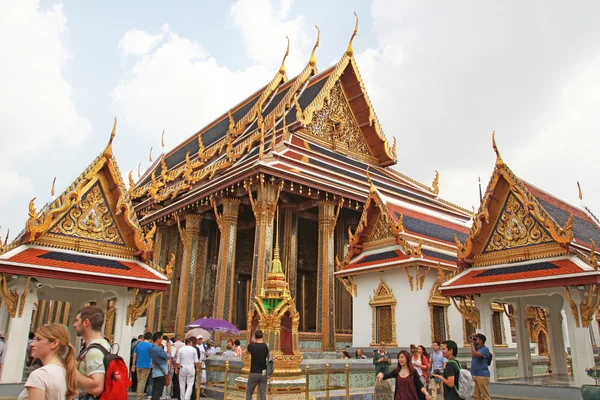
(336, 126)
(90, 218)
(516, 227)
(381, 231)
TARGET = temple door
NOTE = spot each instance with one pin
(285, 334)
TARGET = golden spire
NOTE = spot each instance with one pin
(52, 190)
(313, 59)
(150, 157)
(108, 150)
(435, 184)
(287, 52)
(499, 161)
(162, 141)
(350, 50)
(139, 170)
(276, 263)
(580, 193)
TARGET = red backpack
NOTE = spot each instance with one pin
(116, 378)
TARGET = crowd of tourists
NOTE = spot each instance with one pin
(420, 375)
(169, 368)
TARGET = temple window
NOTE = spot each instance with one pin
(468, 331)
(498, 327)
(438, 312)
(383, 304)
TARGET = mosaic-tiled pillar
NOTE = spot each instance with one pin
(158, 258)
(190, 238)
(325, 286)
(290, 248)
(264, 209)
(227, 222)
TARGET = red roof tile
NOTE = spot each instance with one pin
(73, 263)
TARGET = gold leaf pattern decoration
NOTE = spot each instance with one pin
(90, 219)
(516, 227)
(335, 124)
(381, 231)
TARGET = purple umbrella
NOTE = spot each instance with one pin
(212, 324)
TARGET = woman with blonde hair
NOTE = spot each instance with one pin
(56, 380)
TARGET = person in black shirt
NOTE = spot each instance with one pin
(451, 371)
(259, 353)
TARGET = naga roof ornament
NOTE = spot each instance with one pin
(350, 50)
(313, 59)
(435, 184)
(150, 155)
(579, 189)
(52, 190)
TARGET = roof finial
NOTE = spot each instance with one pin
(139, 170)
(162, 141)
(108, 150)
(435, 184)
(580, 193)
(287, 52)
(350, 50)
(499, 161)
(150, 157)
(6, 238)
(231, 122)
(313, 59)
(52, 190)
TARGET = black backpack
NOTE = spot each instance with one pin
(490, 358)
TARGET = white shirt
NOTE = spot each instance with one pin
(187, 357)
(51, 379)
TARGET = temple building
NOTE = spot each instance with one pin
(312, 147)
(528, 249)
(84, 247)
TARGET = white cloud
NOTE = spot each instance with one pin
(37, 112)
(177, 86)
(443, 76)
(136, 42)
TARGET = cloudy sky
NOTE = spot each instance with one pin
(442, 75)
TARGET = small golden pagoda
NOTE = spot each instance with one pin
(274, 312)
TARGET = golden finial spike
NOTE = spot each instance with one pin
(435, 184)
(139, 170)
(313, 58)
(580, 193)
(150, 157)
(350, 50)
(276, 264)
(6, 238)
(287, 52)
(52, 190)
(108, 150)
(499, 161)
(162, 141)
(231, 122)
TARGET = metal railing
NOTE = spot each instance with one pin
(226, 388)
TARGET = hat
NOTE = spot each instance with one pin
(199, 337)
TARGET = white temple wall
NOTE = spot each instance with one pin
(362, 316)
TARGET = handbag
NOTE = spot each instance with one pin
(270, 363)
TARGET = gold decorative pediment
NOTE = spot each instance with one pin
(381, 231)
(516, 227)
(336, 126)
(90, 218)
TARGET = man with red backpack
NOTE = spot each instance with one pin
(100, 374)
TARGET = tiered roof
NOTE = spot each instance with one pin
(318, 129)
(89, 233)
(522, 238)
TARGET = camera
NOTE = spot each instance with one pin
(474, 337)
(38, 285)
(438, 372)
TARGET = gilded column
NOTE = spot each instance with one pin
(189, 238)
(264, 209)
(325, 285)
(290, 248)
(158, 258)
(227, 223)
